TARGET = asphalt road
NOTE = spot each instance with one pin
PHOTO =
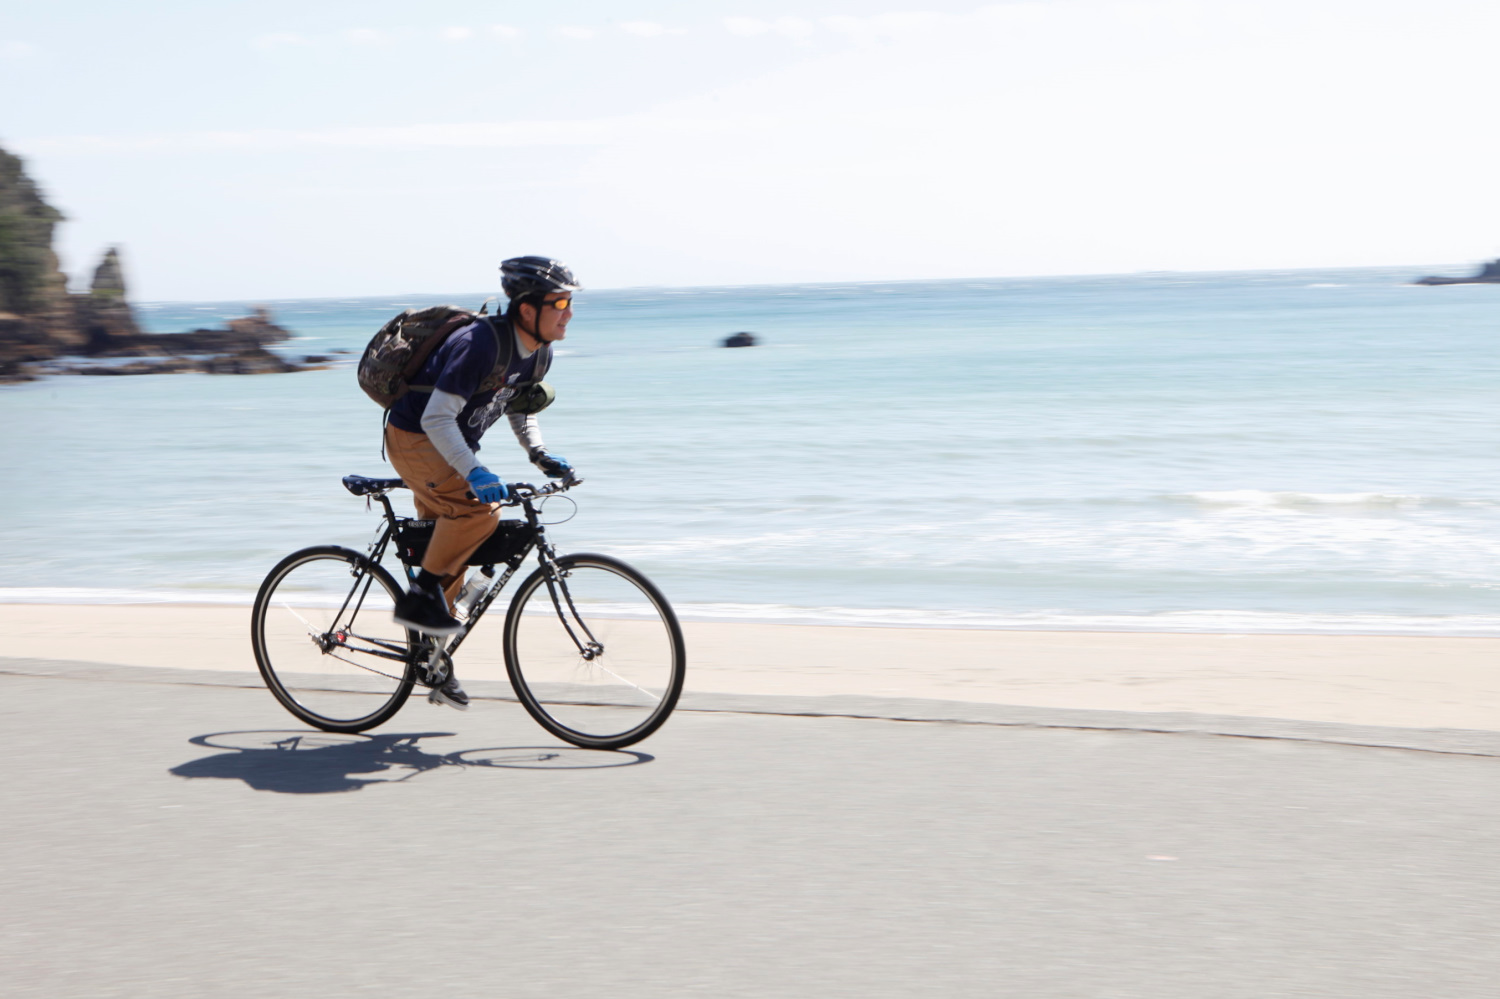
(176, 839)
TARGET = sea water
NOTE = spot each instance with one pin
(1284, 451)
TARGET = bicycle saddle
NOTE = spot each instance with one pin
(361, 485)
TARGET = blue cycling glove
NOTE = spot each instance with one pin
(487, 485)
(554, 466)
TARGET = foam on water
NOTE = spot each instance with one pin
(112, 596)
(1291, 500)
(1203, 621)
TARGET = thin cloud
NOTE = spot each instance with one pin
(746, 27)
(649, 29)
(799, 29)
(891, 26)
(16, 50)
(279, 40)
(371, 37)
(472, 135)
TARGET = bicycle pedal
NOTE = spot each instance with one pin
(435, 669)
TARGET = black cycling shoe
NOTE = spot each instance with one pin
(451, 694)
(427, 612)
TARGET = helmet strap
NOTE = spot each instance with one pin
(535, 301)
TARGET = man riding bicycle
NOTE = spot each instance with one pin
(476, 376)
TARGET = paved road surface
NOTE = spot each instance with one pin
(171, 839)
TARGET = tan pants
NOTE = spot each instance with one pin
(441, 494)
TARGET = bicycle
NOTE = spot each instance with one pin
(592, 649)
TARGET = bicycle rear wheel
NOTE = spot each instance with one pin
(594, 651)
(325, 642)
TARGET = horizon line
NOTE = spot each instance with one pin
(835, 283)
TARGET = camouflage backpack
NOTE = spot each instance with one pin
(396, 353)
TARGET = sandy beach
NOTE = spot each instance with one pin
(1368, 680)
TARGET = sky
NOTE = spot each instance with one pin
(270, 149)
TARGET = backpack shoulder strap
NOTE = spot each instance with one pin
(505, 342)
(505, 348)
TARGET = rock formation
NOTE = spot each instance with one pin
(103, 316)
(41, 324)
(35, 316)
(1488, 274)
(30, 282)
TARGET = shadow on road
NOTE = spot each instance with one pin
(311, 762)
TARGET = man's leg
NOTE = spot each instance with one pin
(441, 494)
(461, 525)
(450, 584)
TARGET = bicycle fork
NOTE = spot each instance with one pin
(590, 649)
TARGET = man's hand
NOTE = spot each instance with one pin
(554, 466)
(487, 485)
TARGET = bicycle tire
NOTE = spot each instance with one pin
(604, 699)
(314, 660)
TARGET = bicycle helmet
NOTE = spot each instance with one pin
(523, 277)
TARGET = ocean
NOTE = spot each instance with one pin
(1294, 451)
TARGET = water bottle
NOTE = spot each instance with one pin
(468, 597)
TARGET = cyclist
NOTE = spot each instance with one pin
(434, 431)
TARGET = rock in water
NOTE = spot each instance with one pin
(741, 339)
(1488, 274)
(104, 313)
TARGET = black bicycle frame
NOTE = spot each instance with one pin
(538, 543)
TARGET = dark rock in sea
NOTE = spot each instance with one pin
(103, 316)
(251, 332)
(1488, 274)
(155, 366)
(254, 361)
(740, 339)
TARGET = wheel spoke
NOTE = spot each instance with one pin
(305, 622)
(625, 680)
(329, 682)
(573, 687)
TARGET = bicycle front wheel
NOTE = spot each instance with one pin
(325, 642)
(594, 651)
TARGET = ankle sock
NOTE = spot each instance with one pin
(429, 581)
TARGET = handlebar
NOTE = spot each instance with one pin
(523, 491)
(361, 485)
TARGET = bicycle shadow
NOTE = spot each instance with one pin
(313, 762)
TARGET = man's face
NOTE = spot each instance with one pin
(552, 322)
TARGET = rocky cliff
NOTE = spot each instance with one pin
(46, 330)
(35, 315)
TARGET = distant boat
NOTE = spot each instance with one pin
(741, 339)
(1488, 274)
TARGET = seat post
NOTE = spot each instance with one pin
(390, 513)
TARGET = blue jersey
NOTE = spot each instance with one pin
(464, 363)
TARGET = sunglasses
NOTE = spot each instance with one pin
(560, 304)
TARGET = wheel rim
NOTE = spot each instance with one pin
(317, 646)
(622, 680)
